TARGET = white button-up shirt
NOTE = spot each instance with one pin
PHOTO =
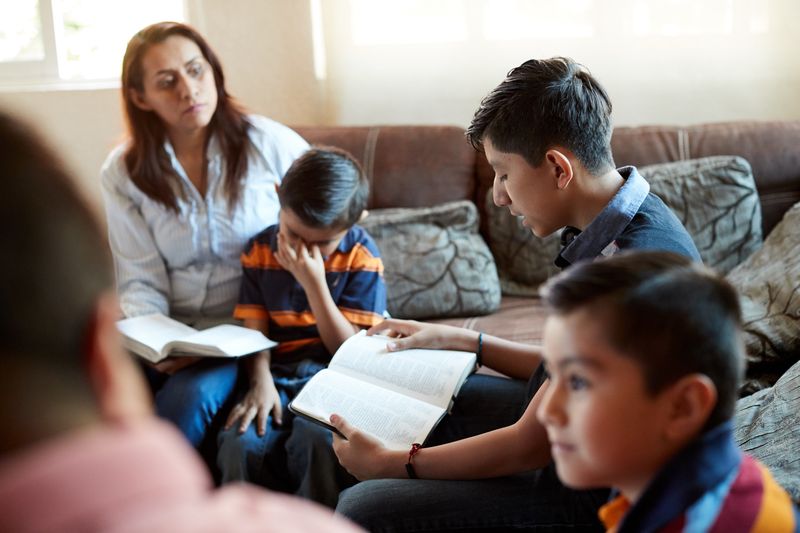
(186, 264)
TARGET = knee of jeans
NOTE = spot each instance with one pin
(364, 502)
(310, 433)
(233, 448)
(193, 392)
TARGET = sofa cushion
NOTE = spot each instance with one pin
(769, 285)
(716, 200)
(714, 197)
(436, 264)
(768, 428)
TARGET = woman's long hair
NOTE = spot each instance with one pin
(146, 160)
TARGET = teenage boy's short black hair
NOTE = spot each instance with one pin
(672, 316)
(545, 103)
(325, 188)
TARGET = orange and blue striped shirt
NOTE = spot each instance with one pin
(710, 486)
(354, 272)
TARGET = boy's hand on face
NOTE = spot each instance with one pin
(260, 401)
(304, 263)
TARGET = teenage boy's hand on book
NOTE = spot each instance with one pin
(363, 456)
(304, 263)
(413, 334)
(261, 400)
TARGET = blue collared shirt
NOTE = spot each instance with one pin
(633, 219)
(186, 264)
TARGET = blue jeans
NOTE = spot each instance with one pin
(534, 501)
(197, 398)
(483, 404)
(295, 457)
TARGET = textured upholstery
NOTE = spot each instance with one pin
(416, 166)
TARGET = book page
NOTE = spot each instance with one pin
(428, 375)
(152, 332)
(225, 340)
(397, 420)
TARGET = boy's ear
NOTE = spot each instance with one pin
(690, 402)
(561, 167)
(138, 101)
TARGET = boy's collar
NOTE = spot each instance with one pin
(704, 464)
(608, 224)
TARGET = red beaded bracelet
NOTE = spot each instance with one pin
(415, 448)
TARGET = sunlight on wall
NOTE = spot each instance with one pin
(393, 22)
(667, 61)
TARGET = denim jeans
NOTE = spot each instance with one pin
(483, 404)
(195, 398)
(296, 457)
(532, 501)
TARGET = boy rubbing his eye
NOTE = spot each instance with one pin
(309, 282)
(645, 357)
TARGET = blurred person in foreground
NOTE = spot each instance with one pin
(80, 448)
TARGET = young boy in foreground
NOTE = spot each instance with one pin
(310, 282)
(645, 357)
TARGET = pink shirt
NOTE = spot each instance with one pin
(136, 478)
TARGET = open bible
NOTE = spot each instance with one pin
(397, 397)
(156, 337)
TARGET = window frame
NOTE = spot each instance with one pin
(44, 74)
(38, 70)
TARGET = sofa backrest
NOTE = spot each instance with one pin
(408, 166)
(772, 148)
(416, 166)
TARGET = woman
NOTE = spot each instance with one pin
(194, 182)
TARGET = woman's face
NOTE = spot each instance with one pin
(178, 86)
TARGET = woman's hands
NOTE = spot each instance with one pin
(413, 334)
(304, 263)
(362, 455)
(260, 401)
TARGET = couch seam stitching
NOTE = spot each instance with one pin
(369, 160)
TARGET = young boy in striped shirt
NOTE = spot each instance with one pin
(645, 357)
(309, 282)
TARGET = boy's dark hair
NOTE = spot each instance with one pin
(325, 188)
(672, 316)
(544, 103)
(55, 262)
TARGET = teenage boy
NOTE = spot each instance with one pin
(546, 131)
(310, 282)
(81, 449)
(645, 358)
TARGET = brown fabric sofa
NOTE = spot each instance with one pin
(418, 166)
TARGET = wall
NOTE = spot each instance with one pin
(746, 67)
(669, 62)
(82, 125)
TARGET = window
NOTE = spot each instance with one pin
(72, 42)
